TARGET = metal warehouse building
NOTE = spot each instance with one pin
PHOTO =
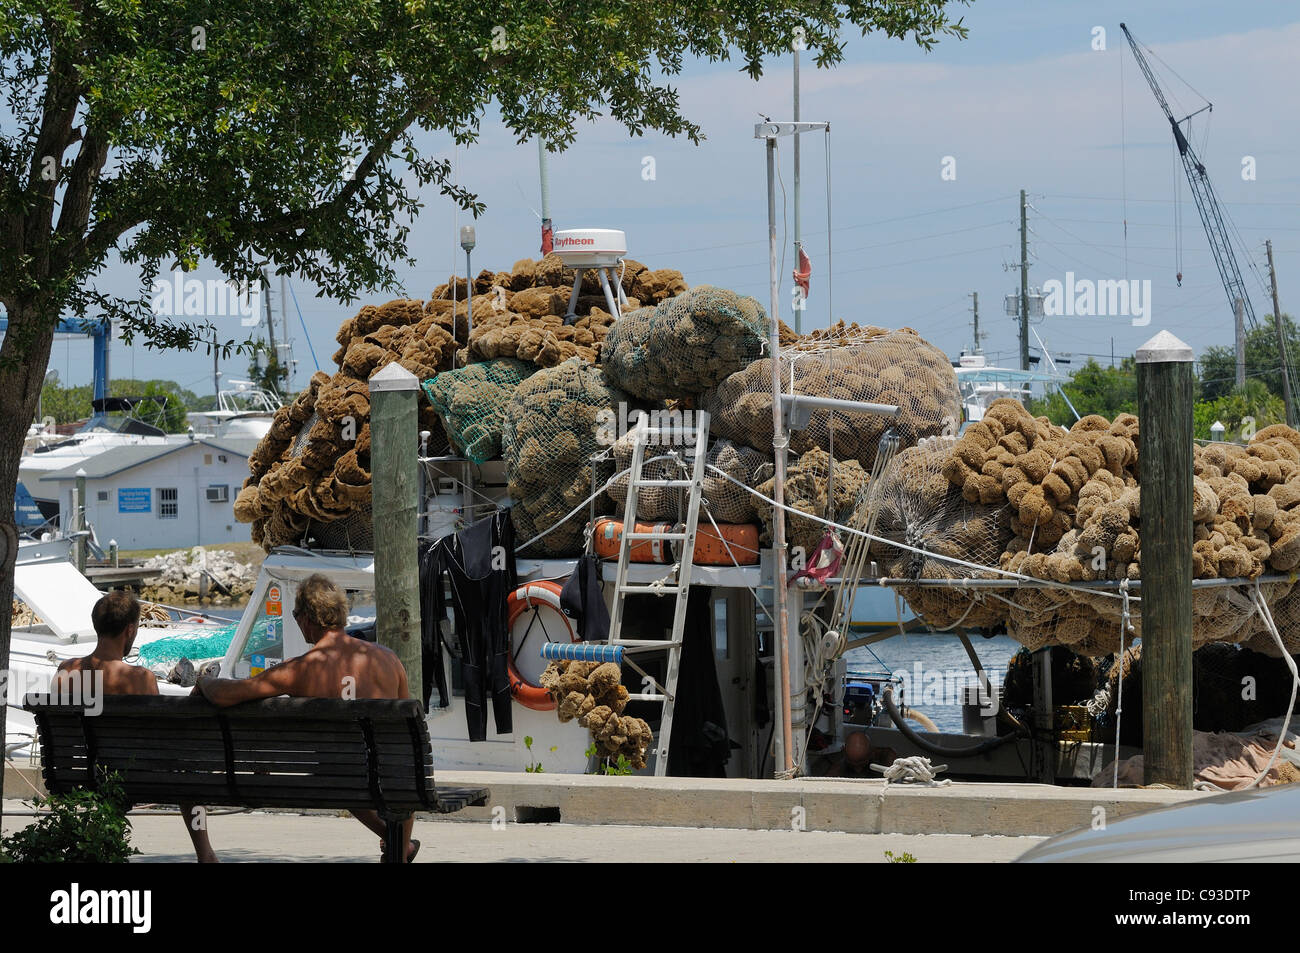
(160, 497)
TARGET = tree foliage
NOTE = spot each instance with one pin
(253, 133)
(1242, 412)
(1092, 389)
(266, 370)
(66, 404)
(1218, 365)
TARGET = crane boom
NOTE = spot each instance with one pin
(1207, 203)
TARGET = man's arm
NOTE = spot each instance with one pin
(224, 692)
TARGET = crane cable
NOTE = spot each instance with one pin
(1123, 162)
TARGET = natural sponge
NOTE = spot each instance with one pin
(472, 401)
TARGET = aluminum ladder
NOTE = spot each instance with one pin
(677, 582)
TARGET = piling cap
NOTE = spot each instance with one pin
(1164, 348)
(393, 377)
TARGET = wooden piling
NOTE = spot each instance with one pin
(1164, 372)
(394, 469)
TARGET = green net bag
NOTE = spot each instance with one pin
(472, 400)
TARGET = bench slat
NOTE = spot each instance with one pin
(284, 752)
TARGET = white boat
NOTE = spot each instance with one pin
(245, 410)
(99, 434)
(61, 598)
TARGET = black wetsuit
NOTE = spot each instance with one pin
(479, 562)
(582, 600)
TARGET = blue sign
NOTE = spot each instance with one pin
(134, 499)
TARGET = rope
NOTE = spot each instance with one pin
(12, 763)
(1258, 595)
(914, 549)
(915, 768)
(1125, 627)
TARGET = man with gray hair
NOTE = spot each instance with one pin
(336, 666)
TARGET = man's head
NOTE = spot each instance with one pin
(857, 750)
(319, 607)
(116, 616)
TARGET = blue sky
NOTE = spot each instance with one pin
(1024, 102)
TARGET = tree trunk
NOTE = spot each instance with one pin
(22, 371)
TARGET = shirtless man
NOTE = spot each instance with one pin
(116, 618)
(337, 665)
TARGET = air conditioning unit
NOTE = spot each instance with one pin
(219, 494)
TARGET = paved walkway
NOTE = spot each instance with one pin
(297, 838)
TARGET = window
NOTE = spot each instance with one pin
(167, 508)
(207, 459)
(102, 496)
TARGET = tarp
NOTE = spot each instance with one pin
(59, 595)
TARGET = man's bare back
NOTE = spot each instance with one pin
(336, 666)
(120, 678)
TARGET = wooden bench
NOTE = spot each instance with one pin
(278, 752)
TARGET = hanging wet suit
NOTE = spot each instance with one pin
(479, 563)
(582, 600)
(434, 624)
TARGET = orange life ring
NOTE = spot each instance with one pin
(527, 596)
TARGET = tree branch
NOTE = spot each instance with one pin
(301, 218)
(75, 213)
(59, 111)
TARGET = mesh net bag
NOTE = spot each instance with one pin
(722, 499)
(918, 507)
(471, 401)
(889, 367)
(554, 423)
(685, 345)
(812, 485)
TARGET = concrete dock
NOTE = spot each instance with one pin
(585, 817)
(315, 838)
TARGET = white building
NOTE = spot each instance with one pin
(160, 497)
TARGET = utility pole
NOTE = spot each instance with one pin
(975, 309)
(1281, 339)
(1024, 286)
(1239, 322)
(272, 361)
(798, 221)
(284, 329)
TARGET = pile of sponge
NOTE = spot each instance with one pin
(594, 694)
